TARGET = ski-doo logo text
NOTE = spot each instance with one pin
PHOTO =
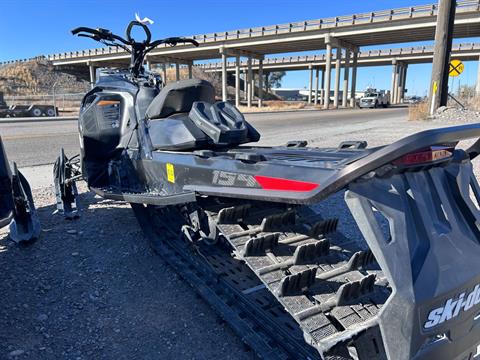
(452, 308)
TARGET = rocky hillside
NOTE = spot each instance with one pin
(37, 77)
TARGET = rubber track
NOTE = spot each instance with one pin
(265, 329)
(331, 286)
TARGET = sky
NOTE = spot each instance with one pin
(34, 27)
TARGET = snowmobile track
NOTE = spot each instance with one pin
(228, 286)
(289, 267)
(330, 285)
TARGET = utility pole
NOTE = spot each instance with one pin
(441, 56)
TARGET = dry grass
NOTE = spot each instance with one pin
(418, 111)
(274, 106)
(475, 105)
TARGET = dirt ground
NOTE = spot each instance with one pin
(87, 290)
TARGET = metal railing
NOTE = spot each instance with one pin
(302, 26)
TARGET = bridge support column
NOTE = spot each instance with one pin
(224, 74)
(190, 70)
(346, 73)
(353, 89)
(245, 84)
(164, 75)
(260, 83)
(477, 87)
(237, 81)
(91, 70)
(328, 74)
(310, 84)
(338, 57)
(249, 82)
(177, 71)
(317, 70)
(393, 90)
(398, 97)
(322, 91)
(404, 82)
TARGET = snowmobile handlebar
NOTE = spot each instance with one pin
(98, 34)
(102, 35)
(138, 49)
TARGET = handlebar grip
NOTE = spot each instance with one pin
(176, 40)
(84, 29)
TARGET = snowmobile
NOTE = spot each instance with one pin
(410, 289)
(17, 209)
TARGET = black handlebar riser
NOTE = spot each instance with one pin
(128, 32)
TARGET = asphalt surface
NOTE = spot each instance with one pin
(38, 143)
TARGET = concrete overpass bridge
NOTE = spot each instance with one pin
(345, 34)
(381, 57)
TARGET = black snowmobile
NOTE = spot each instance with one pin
(253, 247)
(17, 209)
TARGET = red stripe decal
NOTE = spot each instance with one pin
(271, 183)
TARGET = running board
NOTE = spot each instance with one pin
(146, 198)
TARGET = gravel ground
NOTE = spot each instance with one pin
(92, 288)
(452, 115)
(85, 290)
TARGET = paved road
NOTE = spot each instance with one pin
(37, 143)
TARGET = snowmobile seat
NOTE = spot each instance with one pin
(223, 123)
(178, 97)
(184, 117)
(176, 133)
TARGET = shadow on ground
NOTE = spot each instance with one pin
(92, 288)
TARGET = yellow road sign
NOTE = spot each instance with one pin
(456, 68)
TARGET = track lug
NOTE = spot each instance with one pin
(324, 227)
(355, 289)
(308, 253)
(360, 259)
(259, 244)
(273, 222)
(233, 214)
(297, 283)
